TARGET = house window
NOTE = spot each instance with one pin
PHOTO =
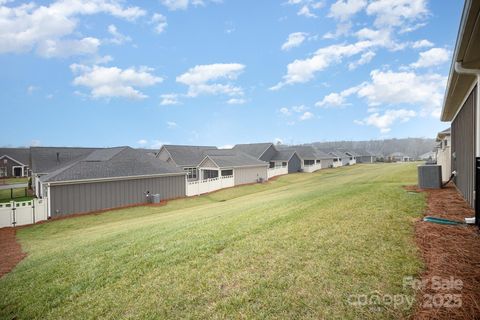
(309, 162)
(446, 143)
(209, 174)
(335, 159)
(284, 164)
(272, 165)
(3, 171)
(192, 173)
(227, 173)
(318, 161)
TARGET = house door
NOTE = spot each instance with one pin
(17, 172)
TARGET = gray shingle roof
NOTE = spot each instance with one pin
(308, 152)
(112, 163)
(18, 154)
(253, 149)
(283, 155)
(44, 159)
(229, 158)
(187, 155)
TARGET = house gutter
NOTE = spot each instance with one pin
(460, 69)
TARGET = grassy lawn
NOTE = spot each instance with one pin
(296, 247)
(18, 195)
(4, 181)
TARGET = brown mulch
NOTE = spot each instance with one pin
(10, 251)
(449, 253)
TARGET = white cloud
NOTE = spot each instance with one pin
(394, 13)
(278, 141)
(31, 89)
(157, 144)
(294, 40)
(203, 79)
(236, 101)
(336, 100)
(142, 142)
(306, 7)
(285, 111)
(301, 71)
(184, 4)
(300, 108)
(117, 37)
(306, 115)
(344, 9)
(422, 44)
(160, 22)
(387, 119)
(432, 57)
(169, 99)
(364, 59)
(305, 11)
(110, 82)
(50, 29)
(226, 146)
(171, 124)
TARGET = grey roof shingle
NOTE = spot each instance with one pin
(19, 154)
(308, 152)
(230, 158)
(44, 159)
(253, 149)
(112, 163)
(283, 155)
(187, 155)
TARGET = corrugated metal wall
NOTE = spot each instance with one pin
(295, 164)
(249, 174)
(87, 197)
(463, 148)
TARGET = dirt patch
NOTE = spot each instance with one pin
(10, 251)
(451, 281)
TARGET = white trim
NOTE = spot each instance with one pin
(13, 171)
(55, 183)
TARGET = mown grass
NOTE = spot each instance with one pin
(4, 181)
(296, 247)
(19, 194)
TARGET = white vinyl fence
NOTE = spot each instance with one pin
(20, 213)
(312, 167)
(208, 185)
(277, 171)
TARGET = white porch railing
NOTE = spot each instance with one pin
(312, 167)
(277, 171)
(208, 185)
(20, 213)
(337, 164)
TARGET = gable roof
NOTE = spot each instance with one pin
(253, 149)
(230, 158)
(44, 159)
(442, 134)
(21, 155)
(187, 155)
(115, 162)
(283, 155)
(306, 152)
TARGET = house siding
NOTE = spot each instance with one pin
(249, 174)
(463, 148)
(295, 164)
(327, 163)
(8, 164)
(268, 154)
(88, 197)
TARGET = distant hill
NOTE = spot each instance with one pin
(413, 147)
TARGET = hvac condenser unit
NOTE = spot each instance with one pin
(430, 176)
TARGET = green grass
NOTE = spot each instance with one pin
(18, 195)
(13, 180)
(292, 248)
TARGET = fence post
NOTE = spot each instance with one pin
(11, 193)
(14, 216)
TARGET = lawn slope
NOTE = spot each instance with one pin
(296, 247)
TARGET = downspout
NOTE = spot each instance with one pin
(460, 69)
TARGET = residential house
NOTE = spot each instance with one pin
(429, 157)
(398, 157)
(110, 178)
(443, 153)
(44, 160)
(281, 161)
(14, 162)
(364, 156)
(461, 106)
(312, 159)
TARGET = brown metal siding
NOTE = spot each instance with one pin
(463, 148)
(249, 174)
(87, 197)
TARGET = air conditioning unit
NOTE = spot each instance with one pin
(430, 176)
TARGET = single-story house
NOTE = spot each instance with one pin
(430, 156)
(228, 162)
(277, 158)
(364, 156)
(337, 158)
(44, 160)
(443, 153)
(398, 157)
(14, 162)
(312, 159)
(461, 106)
(110, 178)
(185, 157)
(352, 156)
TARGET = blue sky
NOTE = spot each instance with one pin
(143, 73)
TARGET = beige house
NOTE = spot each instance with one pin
(444, 155)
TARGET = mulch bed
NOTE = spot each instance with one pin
(451, 253)
(10, 251)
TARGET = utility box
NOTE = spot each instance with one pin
(156, 198)
(430, 176)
